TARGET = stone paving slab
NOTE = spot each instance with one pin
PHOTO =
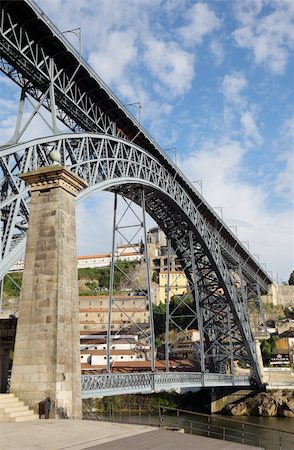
(98, 435)
(170, 440)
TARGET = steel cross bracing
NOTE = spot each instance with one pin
(129, 226)
(113, 164)
(37, 56)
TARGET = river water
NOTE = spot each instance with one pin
(270, 433)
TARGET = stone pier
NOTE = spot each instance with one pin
(46, 359)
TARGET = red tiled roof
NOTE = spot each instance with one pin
(103, 255)
(96, 310)
(113, 352)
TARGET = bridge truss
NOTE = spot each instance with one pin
(111, 151)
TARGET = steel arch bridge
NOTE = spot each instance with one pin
(111, 151)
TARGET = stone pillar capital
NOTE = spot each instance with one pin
(50, 177)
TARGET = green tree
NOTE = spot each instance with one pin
(159, 319)
(268, 348)
(291, 279)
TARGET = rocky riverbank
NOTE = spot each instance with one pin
(267, 404)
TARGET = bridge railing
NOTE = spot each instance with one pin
(100, 385)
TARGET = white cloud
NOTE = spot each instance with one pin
(173, 66)
(246, 12)
(236, 108)
(270, 233)
(285, 180)
(202, 21)
(116, 55)
(233, 85)
(270, 36)
(250, 128)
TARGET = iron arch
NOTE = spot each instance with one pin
(110, 163)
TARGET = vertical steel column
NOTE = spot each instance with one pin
(17, 131)
(244, 296)
(230, 342)
(1, 294)
(167, 316)
(111, 281)
(198, 306)
(152, 336)
(261, 309)
(1, 249)
(52, 97)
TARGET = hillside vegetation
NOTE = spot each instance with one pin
(95, 281)
(90, 281)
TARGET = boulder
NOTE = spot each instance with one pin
(268, 404)
(240, 409)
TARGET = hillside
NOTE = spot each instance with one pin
(90, 281)
(96, 281)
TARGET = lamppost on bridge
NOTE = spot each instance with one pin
(200, 184)
(174, 151)
(235, 227)
(247, 244)
(138, 107)
(221, 210)
(78, 33)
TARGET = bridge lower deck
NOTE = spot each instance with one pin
(103, 385)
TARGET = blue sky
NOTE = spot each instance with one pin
(215, 81)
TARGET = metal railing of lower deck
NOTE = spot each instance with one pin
(147, 382)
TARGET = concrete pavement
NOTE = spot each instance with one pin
(98, 435)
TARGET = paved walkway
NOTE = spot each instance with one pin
(95, 435)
